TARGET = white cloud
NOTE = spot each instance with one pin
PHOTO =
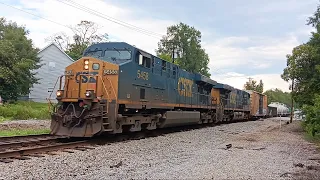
(259, 53)
(226, 56)
(66, 15)
(271, 81)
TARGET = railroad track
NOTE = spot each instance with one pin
(25, 147)
(19, 141)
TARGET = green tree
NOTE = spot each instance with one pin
(166, 57)
(277, 95)
(303, 71)
(252, 85)
(312, 123)
(84, 34)
(18, 59)
(185, 42)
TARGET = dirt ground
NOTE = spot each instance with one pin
(291, 135)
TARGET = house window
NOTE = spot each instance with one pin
(52, 66)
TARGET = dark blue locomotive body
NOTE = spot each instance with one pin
(136, 90)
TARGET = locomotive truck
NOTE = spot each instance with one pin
(116, 87)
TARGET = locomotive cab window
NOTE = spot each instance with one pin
(144, 61)
(164, 65)
(96, 53)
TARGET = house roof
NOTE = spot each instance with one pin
(58, 48)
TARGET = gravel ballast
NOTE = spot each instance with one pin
(259, 150)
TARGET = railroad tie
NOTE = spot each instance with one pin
(6, 160)
(68, 151)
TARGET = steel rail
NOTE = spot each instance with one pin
(20, 153)
(5, 138)
(27, 141)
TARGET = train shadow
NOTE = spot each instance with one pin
(107, 139)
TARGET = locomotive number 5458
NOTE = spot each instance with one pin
(143, 75)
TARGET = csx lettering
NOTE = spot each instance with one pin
(185, 87)
(142, 75)
(233, 98)
(85, 78)
(110, 71)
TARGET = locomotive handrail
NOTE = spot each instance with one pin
(106, 92)
(114, 92)
(48, 99)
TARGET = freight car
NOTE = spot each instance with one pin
(282, 109)
(116, 88)
(259, 104)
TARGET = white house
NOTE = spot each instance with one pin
(54, 62)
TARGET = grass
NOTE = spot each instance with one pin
(23, 110)
(23, 132)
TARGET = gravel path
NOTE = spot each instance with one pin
(259, 151)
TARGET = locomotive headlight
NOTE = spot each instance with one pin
(88, 93)
(86, 64)
(59, 93)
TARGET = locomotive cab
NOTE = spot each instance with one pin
(86, 90)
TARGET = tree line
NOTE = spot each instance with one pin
(303, 72)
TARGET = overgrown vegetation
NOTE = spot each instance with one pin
(303, 71)
(22, 110)
(23, 132)
(312, 123)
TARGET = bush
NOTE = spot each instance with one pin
(22, 110)
(312, 123)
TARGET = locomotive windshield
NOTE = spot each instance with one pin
(112, 55)
(117, 54)
(95, 54)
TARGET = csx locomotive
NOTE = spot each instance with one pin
(116, 87)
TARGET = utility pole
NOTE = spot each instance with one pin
(291, 116)
(172, 43)
(172, 53)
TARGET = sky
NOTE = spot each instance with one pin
(247, 38)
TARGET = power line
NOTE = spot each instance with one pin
(101, 15)
(35, 15)
(151, 32)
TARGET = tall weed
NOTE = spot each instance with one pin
(22, 110)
